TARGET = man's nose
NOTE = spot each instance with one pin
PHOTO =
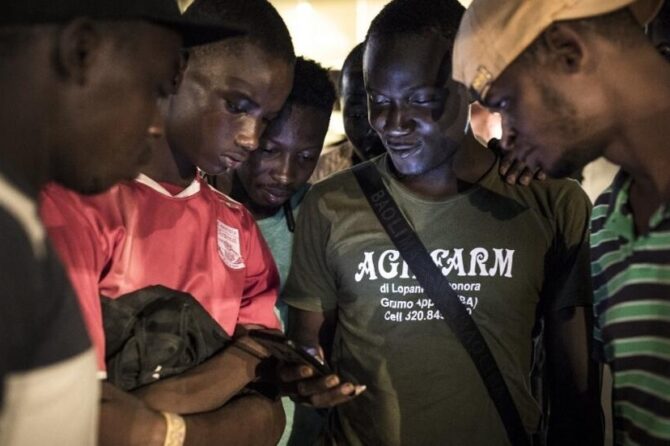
(249, 135)
(397, 122)
(284, 172)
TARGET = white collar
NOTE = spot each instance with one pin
(191, 190)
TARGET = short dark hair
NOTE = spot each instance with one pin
(354, 58)
(418, 17)
(259, 18)
(312, 86)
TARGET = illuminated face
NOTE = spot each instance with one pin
(287, 157)
(416, 109)
(224, 104)
(103, 126)
(544, 123)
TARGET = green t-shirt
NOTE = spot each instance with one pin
(278, 236)
(495, 242)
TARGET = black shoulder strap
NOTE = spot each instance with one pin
(438, 288)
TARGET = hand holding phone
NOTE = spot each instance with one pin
(305, 376)
(288, 351)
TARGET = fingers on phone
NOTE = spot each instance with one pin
(295, 373)
(329, 391)
(315, 386)
(337, 395)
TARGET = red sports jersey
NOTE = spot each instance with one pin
(138, 234)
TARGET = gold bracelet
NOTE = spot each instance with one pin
(176, 429)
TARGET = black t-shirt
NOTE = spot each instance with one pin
(40, 319)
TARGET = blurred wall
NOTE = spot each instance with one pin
(325, 30)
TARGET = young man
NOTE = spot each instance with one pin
(362, 142)
(72, 73)
(609, 90)
(354, 104)
(273, 181)
(272, 184)
(168, 227)
(512, 252)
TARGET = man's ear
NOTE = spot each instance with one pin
(565, 47)
(77, 48)
(179, 77)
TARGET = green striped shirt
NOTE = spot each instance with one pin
(631, 282)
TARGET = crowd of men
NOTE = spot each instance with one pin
(158, 223)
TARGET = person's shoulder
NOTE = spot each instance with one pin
(21, 231)
(22, 237)
(230, 212)
(344, 181)
(224, 199)
(58, 205)
(556, 198)
(547, 197)
(338, 180)
(559, 189)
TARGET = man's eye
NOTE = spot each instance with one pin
(499, 105)
(233, 107)
(423, 100)
(378, 100)
(307, 157)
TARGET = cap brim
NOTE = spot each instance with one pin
(202, 32)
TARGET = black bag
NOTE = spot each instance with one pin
(155, 333)
(445, 299)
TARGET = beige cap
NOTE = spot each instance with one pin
(495, 32)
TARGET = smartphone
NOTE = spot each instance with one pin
(286, 350)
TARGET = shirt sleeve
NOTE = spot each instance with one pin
(311, 283)
(40, 321)
(261, 283)
(568, 267)
(54, 404)
(79, 240)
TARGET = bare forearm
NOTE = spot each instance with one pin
(205, 387)
(583, 426)
(127, 421)
(574, 380)
(576, 416)
(248, 420)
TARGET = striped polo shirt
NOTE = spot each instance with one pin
(631, 282)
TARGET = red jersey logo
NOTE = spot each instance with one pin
(229, 245)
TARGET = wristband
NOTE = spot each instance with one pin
(176, 429)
